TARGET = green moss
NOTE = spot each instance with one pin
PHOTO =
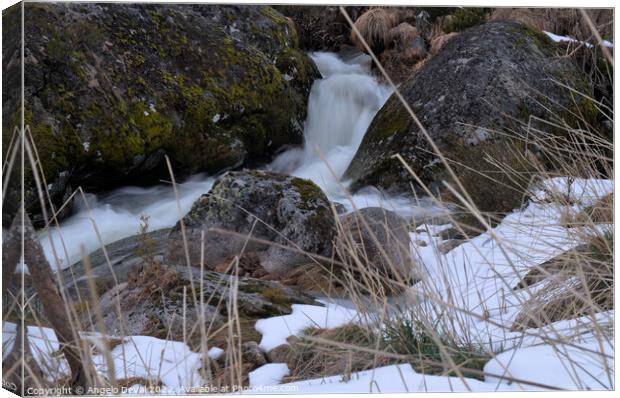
(492, 188)
(280, 26)
(220, 101)
(429, 352)
(277, 296)
(541, 40)
(291, 61)
(154, 128)
(56, 151)
(306, 189)
(392, 118)
(464, 18)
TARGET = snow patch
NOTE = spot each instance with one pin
(275, 330)
(268, 375)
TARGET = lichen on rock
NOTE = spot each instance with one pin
(484, 84)
(285, 220)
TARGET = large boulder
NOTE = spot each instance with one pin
(485, 82)
(248, 205)
(377, 240)
(112, 88)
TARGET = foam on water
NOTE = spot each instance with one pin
(117, 216)
(340, 108)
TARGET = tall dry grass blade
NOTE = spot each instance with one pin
(596, 33)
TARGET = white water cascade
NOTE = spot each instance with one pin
(340, 109)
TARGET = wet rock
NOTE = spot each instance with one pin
(245, 206)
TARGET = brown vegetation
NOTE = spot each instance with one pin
(576, 283)
(561, 21)
(402, 36)
(374, 26)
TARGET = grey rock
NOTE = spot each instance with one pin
(248, 205)
(381, 239)
(150, 296)
(124, 258)
(448, 245)
(486, 81)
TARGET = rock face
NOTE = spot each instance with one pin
(488, 78)
(380, 238)
(112, 88)
(281, 209)
(152, 302)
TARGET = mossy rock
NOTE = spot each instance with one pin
(112, 88)
(273, 215)
(471, 98)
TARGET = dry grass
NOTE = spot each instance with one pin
(561, 21)
(374, 25)
(309, 357)
(391, 333)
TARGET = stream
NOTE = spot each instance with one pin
(340, 108)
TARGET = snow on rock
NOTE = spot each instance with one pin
(479, 275)
(577, 190)
(172, 362)
(275, 330)
(215, 352)
(268, 375)
(560, 38)
(42, 341)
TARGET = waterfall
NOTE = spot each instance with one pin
(340, 108)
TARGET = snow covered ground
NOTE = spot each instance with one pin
(475, 279)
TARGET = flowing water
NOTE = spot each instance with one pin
(340, 109)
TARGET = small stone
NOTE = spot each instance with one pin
(253, 355)
(448, 245)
